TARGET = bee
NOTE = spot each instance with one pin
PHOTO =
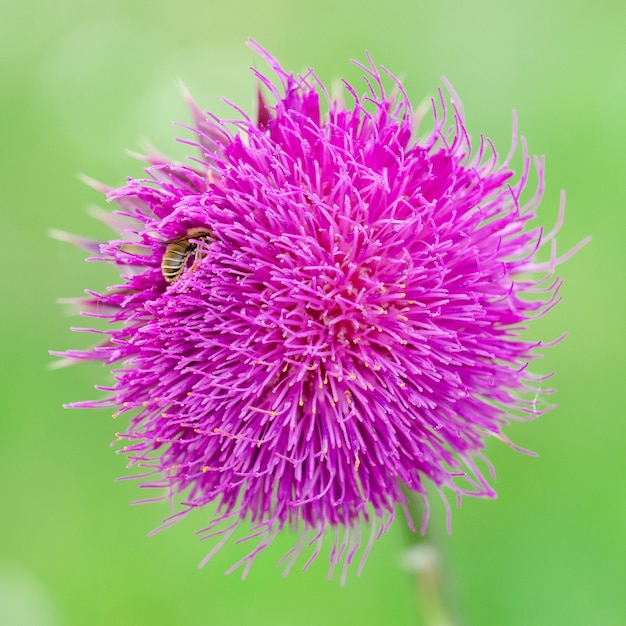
(179, 250)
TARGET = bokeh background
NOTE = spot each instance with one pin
(81, 82)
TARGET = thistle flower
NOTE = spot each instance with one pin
(322, 311)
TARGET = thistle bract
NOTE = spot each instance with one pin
(339, 321)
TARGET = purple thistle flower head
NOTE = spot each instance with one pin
(322, 310)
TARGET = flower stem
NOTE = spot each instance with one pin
(422, 559)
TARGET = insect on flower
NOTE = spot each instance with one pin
(179, 250)
(354, 329)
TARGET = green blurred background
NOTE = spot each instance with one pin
(81, 82)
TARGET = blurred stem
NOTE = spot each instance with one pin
(423, 561)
